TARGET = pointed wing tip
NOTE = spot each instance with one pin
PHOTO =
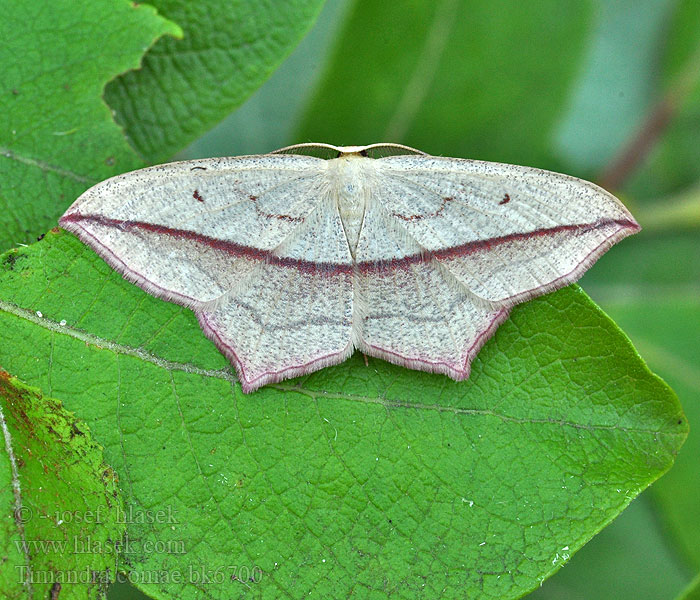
(625, 228)
(64, 221)
(70, 221)
(248, 387)
(315, 364)
(630, 224)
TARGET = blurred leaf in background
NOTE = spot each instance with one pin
(269, 119)
(458, 85)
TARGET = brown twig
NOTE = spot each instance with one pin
(636, 150)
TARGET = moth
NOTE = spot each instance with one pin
(291, 261)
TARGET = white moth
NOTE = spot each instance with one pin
(291, 262)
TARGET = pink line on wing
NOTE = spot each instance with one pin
(229, 247)
(121, 267)
(577, 271)
(488, 243)
(329, 268)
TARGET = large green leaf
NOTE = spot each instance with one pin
(267, 120)
(452, 77)
(187, 86)
(374, 480)
(57, 136)
(61, 508)
(656, 298)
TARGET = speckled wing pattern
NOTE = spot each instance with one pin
(471, 239)
(259, 249)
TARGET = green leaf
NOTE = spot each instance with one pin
(60, 500)
(374, 480)
(187, 86)
(656, 298)
(57, 136)
(452, 78)
(267, 120)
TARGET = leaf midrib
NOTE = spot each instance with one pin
(227, 375)
(45, 167)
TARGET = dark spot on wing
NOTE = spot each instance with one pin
(268, 215)
(198, 168)
(428, 216)
(506, 199)
(196, 196)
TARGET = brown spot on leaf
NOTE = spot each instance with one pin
(10, 260)
(19, 404)
(55, 590)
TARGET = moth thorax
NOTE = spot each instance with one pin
(350, 174)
